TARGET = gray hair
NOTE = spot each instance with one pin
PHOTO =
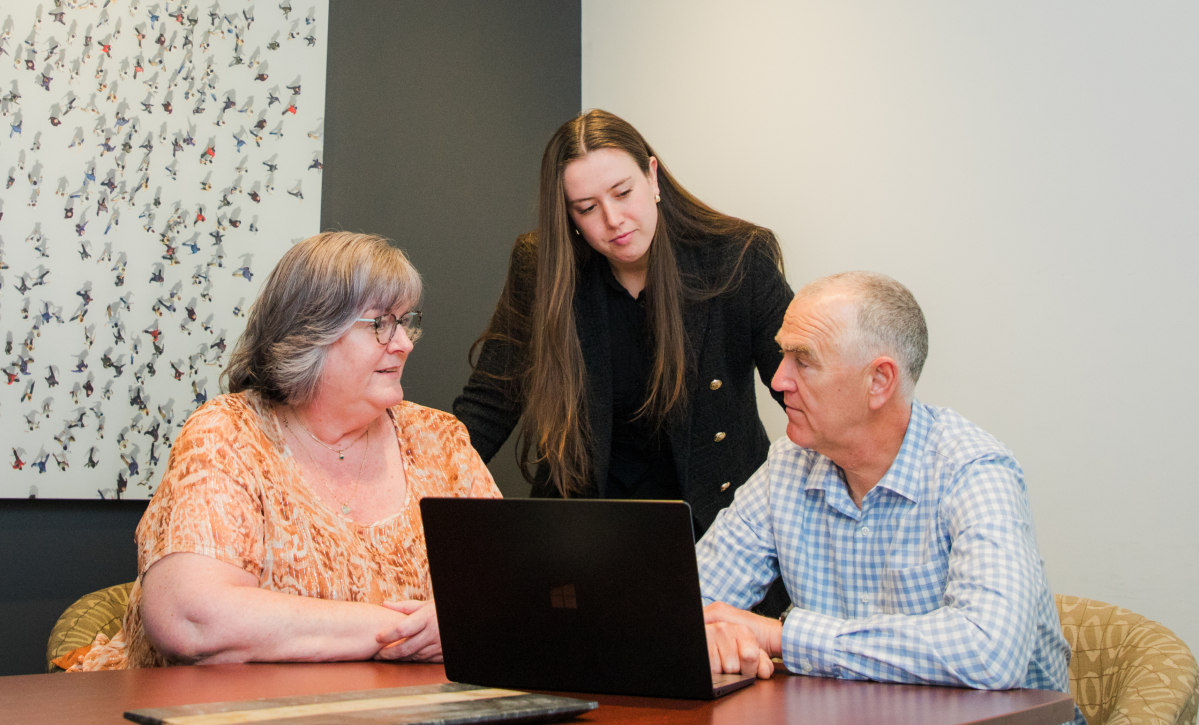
(889, 321)
(309, 300)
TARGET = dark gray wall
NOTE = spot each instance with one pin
(52, 553)
(436, 117)
(434, 133)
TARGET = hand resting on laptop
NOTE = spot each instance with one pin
(741, 641)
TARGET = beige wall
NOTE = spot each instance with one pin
(1030, 170)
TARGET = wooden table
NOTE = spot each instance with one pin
(102, 697)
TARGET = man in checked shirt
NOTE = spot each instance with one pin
(902, 531)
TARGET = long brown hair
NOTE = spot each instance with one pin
(551, 378)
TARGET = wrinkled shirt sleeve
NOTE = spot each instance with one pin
(982, 633)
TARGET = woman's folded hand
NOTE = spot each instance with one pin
(416, 637)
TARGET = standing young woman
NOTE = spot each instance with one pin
(628, 332)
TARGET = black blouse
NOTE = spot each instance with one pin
(642, 464)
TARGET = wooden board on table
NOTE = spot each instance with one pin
(449, 704)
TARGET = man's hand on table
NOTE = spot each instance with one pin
(740, 641)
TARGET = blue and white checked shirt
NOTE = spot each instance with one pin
(936, 579)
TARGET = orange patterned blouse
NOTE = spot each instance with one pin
(233, 491)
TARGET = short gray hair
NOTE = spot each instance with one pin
(309, 300)
(889, 321)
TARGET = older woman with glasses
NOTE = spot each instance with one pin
(287, 526)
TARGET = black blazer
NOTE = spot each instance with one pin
(721, 440)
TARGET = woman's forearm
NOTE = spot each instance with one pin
(197, 609)
(264, 626)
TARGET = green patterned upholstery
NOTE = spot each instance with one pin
(96, 613)
(1126, 669)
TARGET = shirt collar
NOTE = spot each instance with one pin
(903, 477)
(613, 284)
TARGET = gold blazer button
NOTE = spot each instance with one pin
(715, 384)
(724, 486)
(718, 437)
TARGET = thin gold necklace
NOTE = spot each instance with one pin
(345, 505)
(340, 454)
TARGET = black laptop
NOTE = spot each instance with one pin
(577, 596)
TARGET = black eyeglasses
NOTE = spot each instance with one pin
(385, 325)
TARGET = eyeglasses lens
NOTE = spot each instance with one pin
(385, 328)
(410, 321)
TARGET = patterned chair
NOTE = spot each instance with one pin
(1126, 669)
(96, 613)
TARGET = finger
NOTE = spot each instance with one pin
(409, 606)
(420, 623)
(765, 665)
(431, 653)
(401, 626)
(414, 643)
(749, 652)
(393, 651)
(406, 647)
(730, 650)
(403, 649)
(407, 626)
(391, 635)
(722, 650)
(713, 650)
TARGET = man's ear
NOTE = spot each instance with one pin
(884, 381)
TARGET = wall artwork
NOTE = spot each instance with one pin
(157, 160)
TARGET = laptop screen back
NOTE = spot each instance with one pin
(582, 596)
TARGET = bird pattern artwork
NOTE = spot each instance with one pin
(156, 161)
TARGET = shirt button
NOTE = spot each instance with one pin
(715, 384)
(865, 599)
(864, 531)
(718, 437)
(725, 486)
(806, 666)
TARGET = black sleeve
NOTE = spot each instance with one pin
(771, 296)
(490, 405)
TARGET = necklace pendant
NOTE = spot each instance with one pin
(345, 509)
(341, 456)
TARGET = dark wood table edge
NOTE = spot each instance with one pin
(163, 689)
